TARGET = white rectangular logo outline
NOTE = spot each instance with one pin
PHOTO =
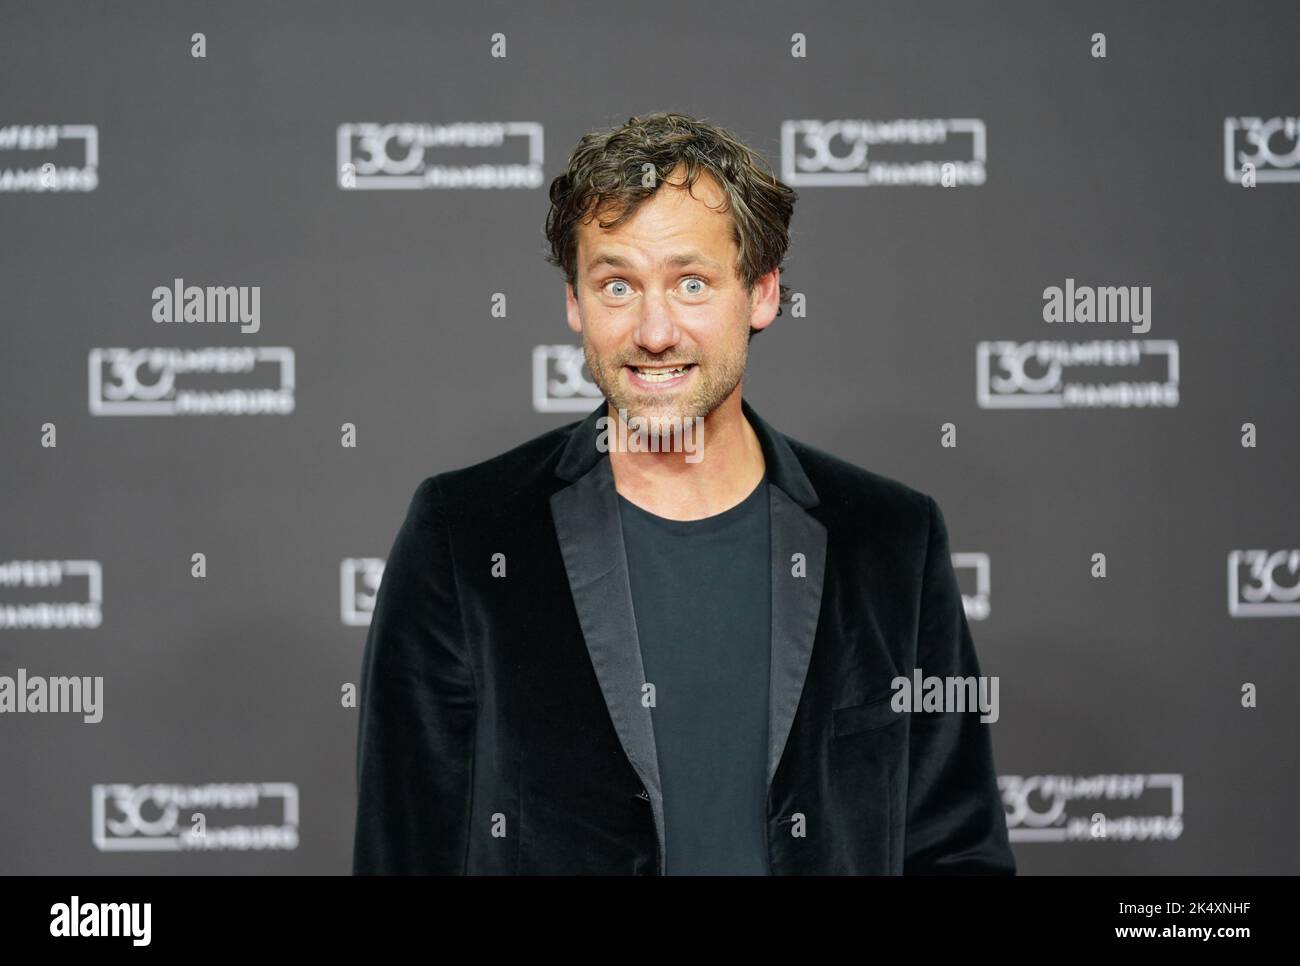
(532, 130)
(988, 400)
(859, 179)
(1173, 782)
(1240, 608)
(1232, 173)
(348, 570)
(542, 401)
(100, 407)
(286, 791)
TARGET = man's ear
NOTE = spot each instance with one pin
(571, 309)
(765, 299)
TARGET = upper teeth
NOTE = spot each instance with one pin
(659, 374)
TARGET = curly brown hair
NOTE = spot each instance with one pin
(605, 173)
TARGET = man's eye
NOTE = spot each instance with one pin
(617, 281)
(695, 280)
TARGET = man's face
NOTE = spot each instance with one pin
(661, 291)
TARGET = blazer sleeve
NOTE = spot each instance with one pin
(956, 823)
(415, 739)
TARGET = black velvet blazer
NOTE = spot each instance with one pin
(501, 724)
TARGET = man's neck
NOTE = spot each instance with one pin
(729, 466)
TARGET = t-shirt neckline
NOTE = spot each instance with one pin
(704, 523)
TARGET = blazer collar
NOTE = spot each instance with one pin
(783, 467)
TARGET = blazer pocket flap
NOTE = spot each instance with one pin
(871, 716)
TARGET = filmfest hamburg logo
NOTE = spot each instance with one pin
(487, 154)
(1270, 144)
(178, 818)
(31, 588)
(1135, 373)
(359, 578)
(561, 381)
(175, 382)
(1096, 808)
(49, 157)
(976, 605)
(860, 153)
(1264, 583)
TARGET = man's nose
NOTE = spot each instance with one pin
(657, 330)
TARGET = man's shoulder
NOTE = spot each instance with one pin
(497, 482)
(851, 495)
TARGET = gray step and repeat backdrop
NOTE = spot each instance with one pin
(267, 266)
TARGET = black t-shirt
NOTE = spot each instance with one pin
(702, 595)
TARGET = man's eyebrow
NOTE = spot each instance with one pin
(678, 260)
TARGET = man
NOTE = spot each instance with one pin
(657, 657)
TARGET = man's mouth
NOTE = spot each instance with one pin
(661, 373)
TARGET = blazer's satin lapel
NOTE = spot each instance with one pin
(590, 533)
(591, 539)
(796, 602)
